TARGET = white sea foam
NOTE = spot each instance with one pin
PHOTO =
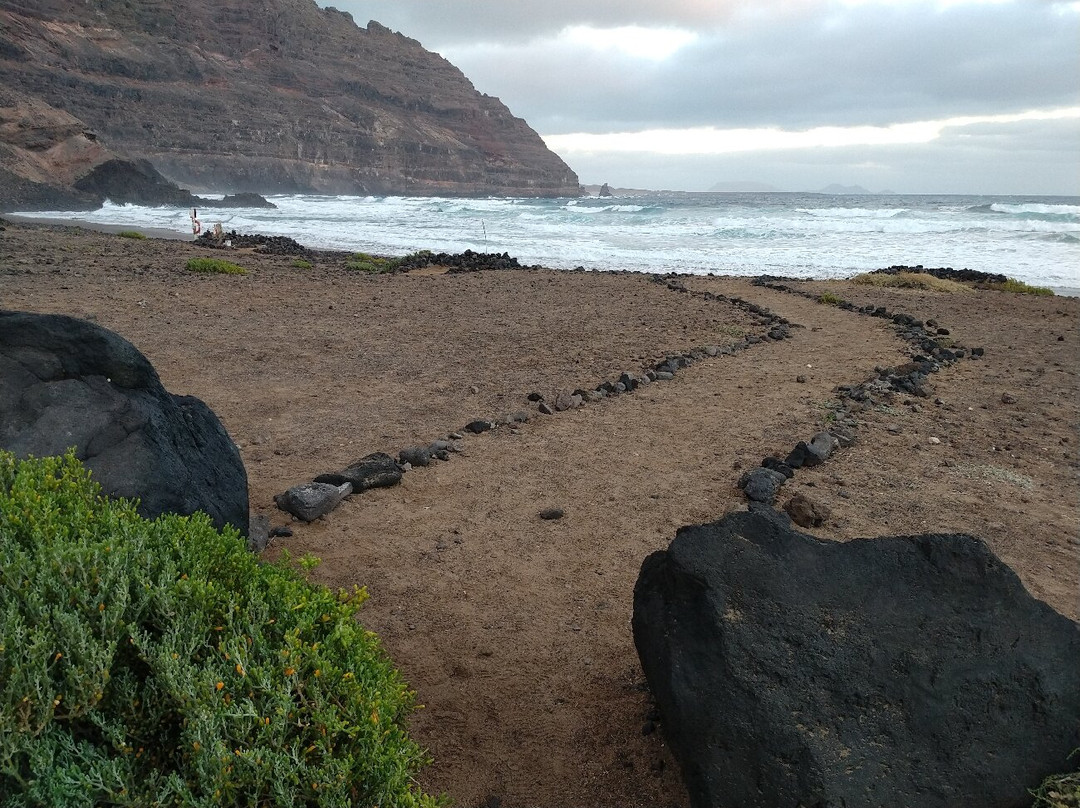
(780, 234)
(1046, 210)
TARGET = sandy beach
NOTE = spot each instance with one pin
(514, 630)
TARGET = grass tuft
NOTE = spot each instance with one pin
(911, 280)
(135, 234)
(1018, 287)
(373, 264)
(216, 266)
(300, 263)
(830, 298)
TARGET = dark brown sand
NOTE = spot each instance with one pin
(514, 631)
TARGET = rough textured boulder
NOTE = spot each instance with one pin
(309, 501)
(761, 484)
(905, 671)
(69, 383)
(376, 470)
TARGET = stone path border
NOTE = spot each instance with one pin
(760, 485)
(309, 501)
(928, 355)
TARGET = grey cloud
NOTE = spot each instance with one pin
(879, 67)
(1031, 157)
(440, 23)
(785, 64)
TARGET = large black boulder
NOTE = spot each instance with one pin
(905, 671)
(69, 383)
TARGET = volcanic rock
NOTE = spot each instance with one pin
(309, 501)
(761, 484)
(806, 512)
(417, 456)
(376, 470)
(912, 670)
(68, 383)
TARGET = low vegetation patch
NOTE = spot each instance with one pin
(911, 280)
(131, 234)
(300, 263)
(1018, 287)
(154, 663)
(830, 298)
(376, 264)
(217, 266)
(1059, 791)
(362, 262)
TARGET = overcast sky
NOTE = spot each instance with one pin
(917, 96)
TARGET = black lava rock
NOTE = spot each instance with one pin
(376, 470)
(417, 456)
(905, 671)
(68, 383)
(309, 501)
(776, 464)
(761, 484)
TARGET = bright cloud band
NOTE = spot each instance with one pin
(711, 140)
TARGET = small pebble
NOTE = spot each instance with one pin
(934, 441)
(800, 379)
(552, 513)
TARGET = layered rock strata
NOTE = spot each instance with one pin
(286, 98)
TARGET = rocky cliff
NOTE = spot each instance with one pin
(253, 95)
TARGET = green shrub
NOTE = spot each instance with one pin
(131, 234)
(155, 663)
(362, 262)
(300, 263)
(1059, 791)
(830, 298)
(1019, 287)
(215, 265)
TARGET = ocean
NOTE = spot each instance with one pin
(1034, 239)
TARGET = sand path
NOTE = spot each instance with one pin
(516, 633)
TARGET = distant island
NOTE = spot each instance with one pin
(293, 99)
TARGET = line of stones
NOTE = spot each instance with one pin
(928, 355)
(309, 501)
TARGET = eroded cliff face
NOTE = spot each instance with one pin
(268, 96)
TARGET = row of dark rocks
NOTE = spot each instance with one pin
(467, 261)
(270, 245)
(928, 355)
(324, 493)
(308, 501)
(945, 273)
